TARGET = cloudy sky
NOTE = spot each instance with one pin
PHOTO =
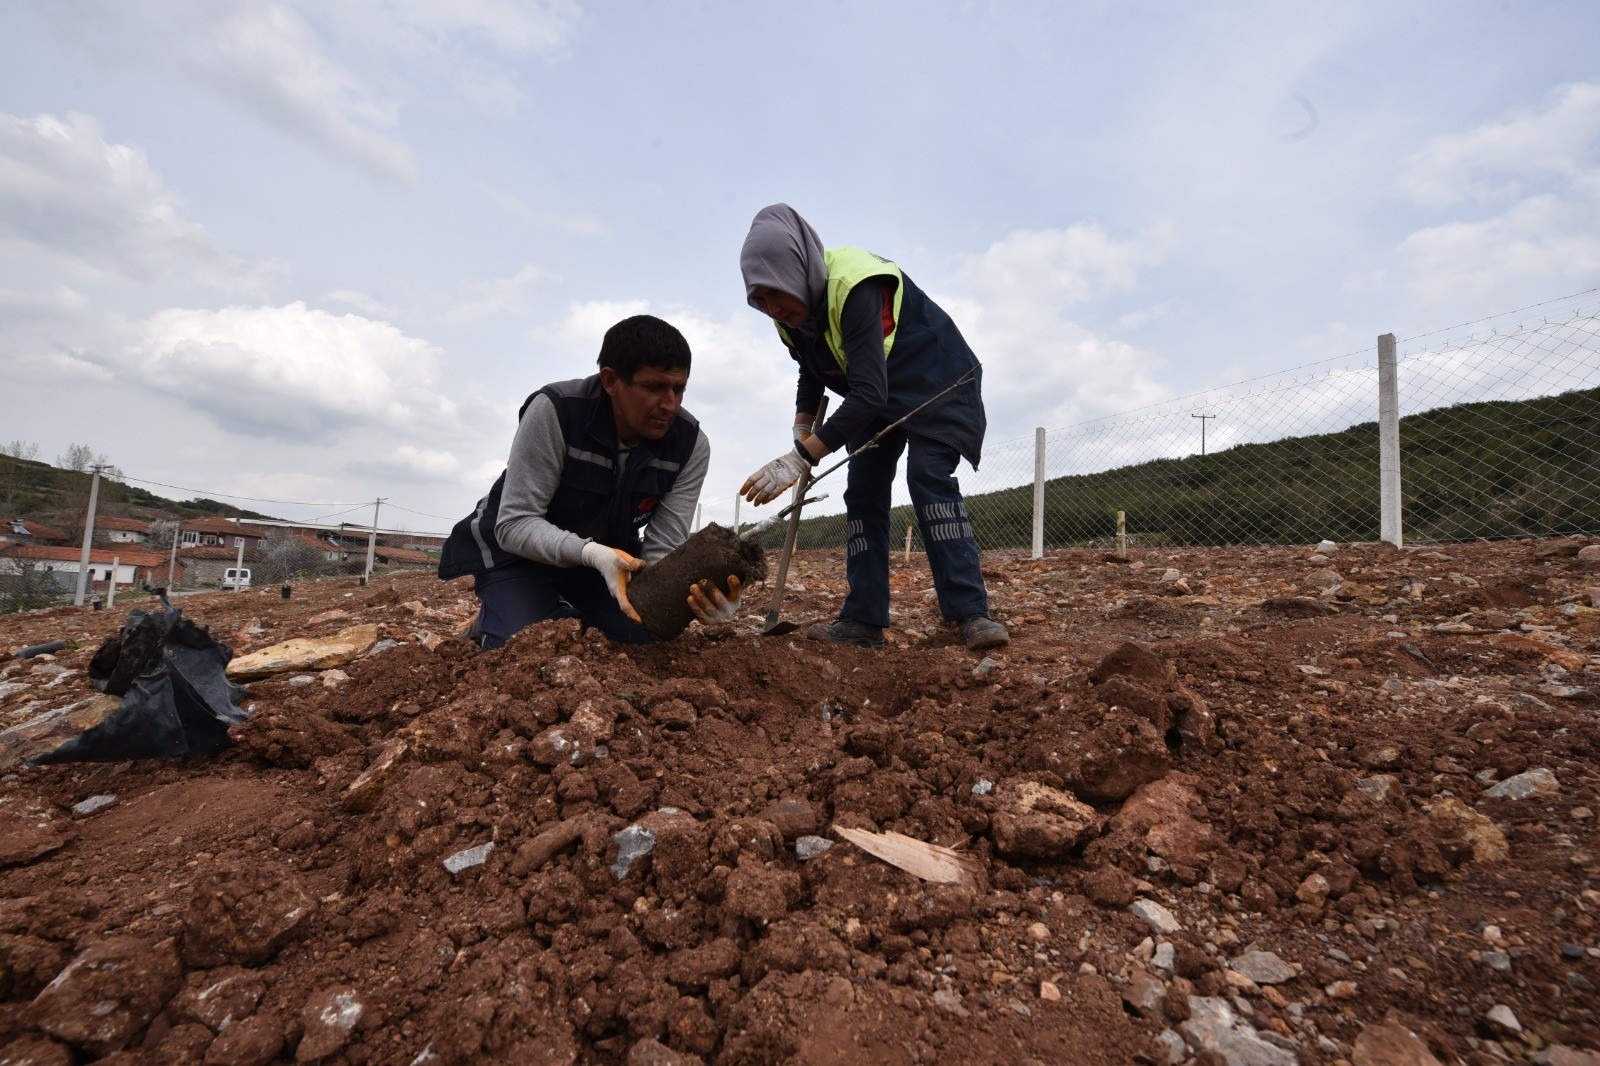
(318, 253)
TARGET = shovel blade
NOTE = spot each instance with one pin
(776, 628)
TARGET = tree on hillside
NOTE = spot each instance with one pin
(80, 458)
(72, 508)
(12, 477)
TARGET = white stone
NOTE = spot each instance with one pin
(467, 858)
(1540, 782)
(1263, 967)
(1504, 1017)
(92, 804)
(806, 848)
(633, 844)
(1158, 917)
(1213, 1026)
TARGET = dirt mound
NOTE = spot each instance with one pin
(1213, 825)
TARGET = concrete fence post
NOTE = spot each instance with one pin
(1038, 493)
(1388, 442)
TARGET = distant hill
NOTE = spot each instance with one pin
(58, 497)
(1480, 470)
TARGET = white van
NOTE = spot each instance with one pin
(236, 579)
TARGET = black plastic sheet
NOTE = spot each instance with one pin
(177, 700)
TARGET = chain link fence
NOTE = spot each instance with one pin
(32, 583)
(1499, 436)
(1498, 430)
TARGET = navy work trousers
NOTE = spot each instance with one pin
(523, 593)
(941, 516)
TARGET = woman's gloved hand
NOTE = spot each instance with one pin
(765, 484)
(710, 606)
(615, 566)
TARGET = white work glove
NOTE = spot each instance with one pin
(710, 606)
(614, 565)
(801, 431)
(765, 484)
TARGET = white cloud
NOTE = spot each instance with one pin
(61, 302)
(515, 26)
(580, 225)
(1555, 142)
(98, 207)
(1543, 242)
(427, 464)
(499, 296)
(288, 371)
(1144, 316)
(296, 67)
(267, 61)
(1541, 171)
(367, 305)
(1040, 367)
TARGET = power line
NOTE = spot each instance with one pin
(408, 510)
(247, 499)
(336, 514)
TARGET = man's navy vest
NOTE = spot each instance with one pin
(595, 499)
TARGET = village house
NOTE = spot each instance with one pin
(207, 565)
(214, 532)
(132, 567)
(329, 549)
(115, 530)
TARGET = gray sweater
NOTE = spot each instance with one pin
(533, 473)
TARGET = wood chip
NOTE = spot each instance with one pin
(931, 862)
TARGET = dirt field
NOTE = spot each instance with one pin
(1222, 805)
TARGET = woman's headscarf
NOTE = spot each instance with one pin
(783, 252)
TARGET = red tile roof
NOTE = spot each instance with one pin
(213, 524)
(130, 525)
(72, 555)
(36, 530)
(405, 555)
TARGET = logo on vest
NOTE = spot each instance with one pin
(646, 508)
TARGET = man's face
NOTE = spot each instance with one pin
(644, 407)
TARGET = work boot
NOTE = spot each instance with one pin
(847, 631)
(474, 631)
(980, 631)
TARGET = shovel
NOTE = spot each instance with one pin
(774, 627)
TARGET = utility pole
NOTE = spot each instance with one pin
(172, 563)
(1202, 419)
(372, 538)
(88, 535)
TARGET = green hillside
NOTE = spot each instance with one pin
(1494, 469)
(58, 497)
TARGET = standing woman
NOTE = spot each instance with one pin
(858, 326)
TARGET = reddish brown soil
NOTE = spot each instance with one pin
(289, 899)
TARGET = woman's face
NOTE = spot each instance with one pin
(782, 306)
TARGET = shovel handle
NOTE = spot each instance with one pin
(793, 530)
